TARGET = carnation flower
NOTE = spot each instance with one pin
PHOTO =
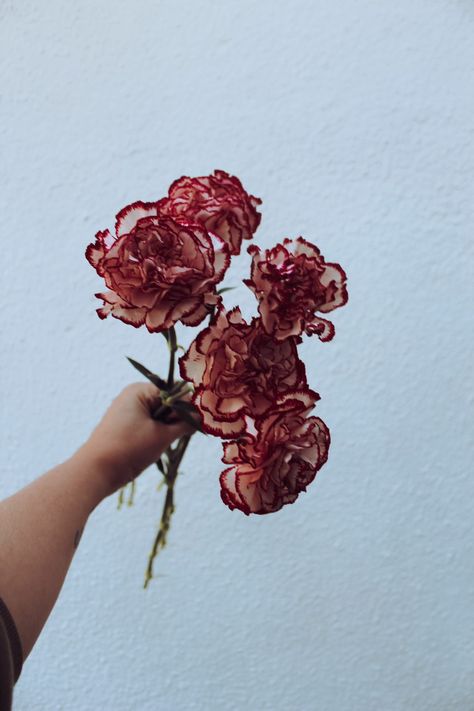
(292, 282)
(162, 266)
(158, 271)
(218, 203)
(271, 466)
(238, 370)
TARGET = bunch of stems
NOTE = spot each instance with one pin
(170, 461)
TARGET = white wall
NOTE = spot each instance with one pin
(353, 121)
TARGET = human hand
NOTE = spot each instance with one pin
(127, 439)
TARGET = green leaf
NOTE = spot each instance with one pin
(155, 379)
(225, 288)
(160, 466)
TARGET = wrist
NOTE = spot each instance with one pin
(96, 472)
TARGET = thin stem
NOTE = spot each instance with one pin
(172, 343)
(120, 497)
(179, 389)
(131, 493)
(182, 446)
(174, 457)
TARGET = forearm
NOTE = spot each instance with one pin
(40, 528)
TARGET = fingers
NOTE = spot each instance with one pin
(150, 397)
(148, 394)
(172, 432)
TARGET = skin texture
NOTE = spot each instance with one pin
(41, 525)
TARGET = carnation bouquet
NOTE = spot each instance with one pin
(240, 381)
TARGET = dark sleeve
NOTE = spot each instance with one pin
(11, 641)
(6, 670)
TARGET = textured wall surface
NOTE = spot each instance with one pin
(353, 121)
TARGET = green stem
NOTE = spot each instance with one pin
(131, 493)
(169, 464)
(179, 389)
(174, 457)
(173, 346)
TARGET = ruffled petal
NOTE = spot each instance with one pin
(128, 217)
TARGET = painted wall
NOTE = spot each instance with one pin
(354, 122)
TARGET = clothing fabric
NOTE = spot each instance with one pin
(11, 657)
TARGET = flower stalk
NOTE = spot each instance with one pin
(174, 457)
(168, 465)
(173, 346)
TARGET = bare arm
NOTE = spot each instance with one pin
(41, 525)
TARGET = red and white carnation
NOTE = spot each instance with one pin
(158, 271)
(238, 370)
(162, 266)
(292, 282)
(270, 467)
(217, 202)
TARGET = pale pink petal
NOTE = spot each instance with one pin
(128, 217)
(302, 246)
(134, 317)
(111, 297)
(229, 493)
(165, 314)
(114, 305)
(231, 452)
(96, 251)
(193, 365)
(323, 328)
(226, 409)
(217, 427)
(230, 406)
(156, 320)
(147, 299)
(334, 274)
(194, 318)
